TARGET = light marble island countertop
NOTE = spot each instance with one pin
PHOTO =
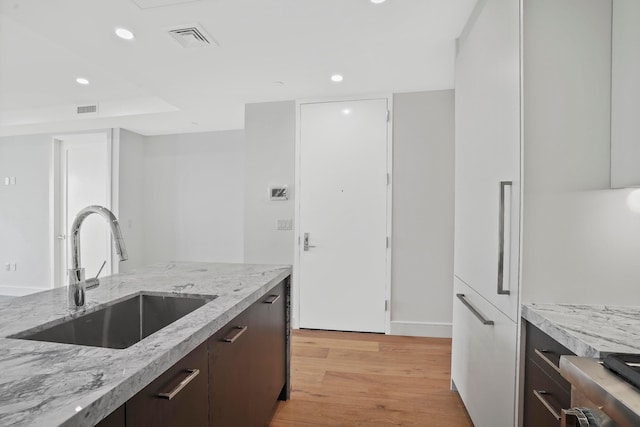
(50, 384)
(588, 330)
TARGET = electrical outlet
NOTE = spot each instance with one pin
(6, 180)
(13, 180)
(7, 266)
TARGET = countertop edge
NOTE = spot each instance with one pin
(558, 333)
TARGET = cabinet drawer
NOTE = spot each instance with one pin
(230, 353)
(268, 374)
(178, 397)
(483, 359)
(546, 352)
(544, 399)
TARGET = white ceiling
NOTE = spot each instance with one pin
(152, 85)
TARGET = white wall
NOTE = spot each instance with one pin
(423, 172)
(423, 213)
(581, 242)
(24, 213)
(181, 197)
(269, 157)
(193, 197)
(130, 202)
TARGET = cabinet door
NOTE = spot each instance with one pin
(230, 355)
(483, 360)
(488, 154)
(268, 370)
(179, 397)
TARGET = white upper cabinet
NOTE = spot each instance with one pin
(625, 94)
(487, 177)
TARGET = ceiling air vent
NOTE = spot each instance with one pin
(191, 35)
(87, 109)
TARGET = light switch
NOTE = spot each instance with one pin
(14, 266)
(6, 180)
(13, 180)
(285, 224)
(7, 266)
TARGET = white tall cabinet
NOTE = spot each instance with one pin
(487, 218)
(532, 88)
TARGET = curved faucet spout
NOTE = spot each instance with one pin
(77, 282)
(118, 241)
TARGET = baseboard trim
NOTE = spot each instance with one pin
(421, 329)
(15, 291)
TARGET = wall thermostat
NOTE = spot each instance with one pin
(279, 193)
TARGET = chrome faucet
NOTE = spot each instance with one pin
(77, 283)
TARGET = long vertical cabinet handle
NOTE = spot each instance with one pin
(504, 235)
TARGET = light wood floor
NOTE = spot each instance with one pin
(352, 379)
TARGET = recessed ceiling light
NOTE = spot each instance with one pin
(346, 111)
(337, 78)
(123, 33)
(377, 1)
(82, 81)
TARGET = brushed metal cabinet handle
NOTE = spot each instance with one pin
(540, 395)
(272, 299)
(548, 361)
(501, 289)
(235, 334)
(474, 310)
(171, 394)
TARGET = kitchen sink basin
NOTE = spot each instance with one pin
(122, 324)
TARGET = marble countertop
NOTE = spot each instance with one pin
(588, 330)
(50, 384)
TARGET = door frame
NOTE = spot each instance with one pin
(295, 285)
(56, 211)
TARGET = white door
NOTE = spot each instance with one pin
(84, 179)
(343, 212)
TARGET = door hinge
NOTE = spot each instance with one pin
(388, 179)
(386, 305)
(387, 242)
(388, 115)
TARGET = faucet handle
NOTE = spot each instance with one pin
(94, 282)
(101, 267)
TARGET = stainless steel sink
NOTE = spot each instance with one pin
(122, 324)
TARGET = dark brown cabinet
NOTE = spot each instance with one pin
(268, 370)
(230, 353)
(235, 378)
(179, 397)
(115, 419)
(247, 360)
(546, 391)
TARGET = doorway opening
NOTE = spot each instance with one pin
(82, 175)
